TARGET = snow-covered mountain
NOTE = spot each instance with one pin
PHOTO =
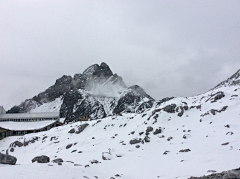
(174, 138)
(96, 92)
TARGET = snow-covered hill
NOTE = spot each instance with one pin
(175, 138)
(96, 92)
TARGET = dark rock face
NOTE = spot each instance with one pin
(233, 80)
(218, 96)
(129, 101)
(158, 103)
(41, 159)
(145, 105)
(7, 159)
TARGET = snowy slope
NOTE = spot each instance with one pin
(208, 125)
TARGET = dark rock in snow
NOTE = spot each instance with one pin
(170, 108)
(135, 141)
(41, 159)
(147, 139)
(225, 143)
(12, 150)
(149, 129)
(68, 146)
(157, 131)
(16, 143)
(166, 152)
(71, 131)
(180, 113)
(58, 161)
(94, 161)
(7, 159)
(81, 128)
(230, 174)
(185, 150)
(137, 146)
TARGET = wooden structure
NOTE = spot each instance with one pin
(84, 117)
(13, 129)
(26, 123)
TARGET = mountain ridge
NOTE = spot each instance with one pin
(97, 92)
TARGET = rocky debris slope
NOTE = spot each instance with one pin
(230, 174)
(96, 92)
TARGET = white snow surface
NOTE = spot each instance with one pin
(53, 106)
(26, 125)
(205, 135)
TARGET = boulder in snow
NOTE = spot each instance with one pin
(41, 159)
(7, 159)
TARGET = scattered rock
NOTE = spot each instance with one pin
(225, 143)
(231, 133)
(94, 161)
(71, 131)
(180, 113)
(12, 150)
(185, 150)
(137, 146)
(147, 139)
(157, 131)
(166, 152)
(16, 143)
(135, 141)
(81, 128)
(73, 151)
(185, 136)
(140, 133)
(149, 129)
(7, 159)
(170, 108)
(68, 146)
(169, 138)
(58, 161)
(41, 159)
(228, 126)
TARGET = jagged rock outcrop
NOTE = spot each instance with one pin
(96, 92)
(130, 99)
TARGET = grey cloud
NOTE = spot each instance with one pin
(169, 48)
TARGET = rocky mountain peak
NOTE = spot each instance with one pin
(233, 80)
(63, 80)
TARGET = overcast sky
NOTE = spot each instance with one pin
(170, 48)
